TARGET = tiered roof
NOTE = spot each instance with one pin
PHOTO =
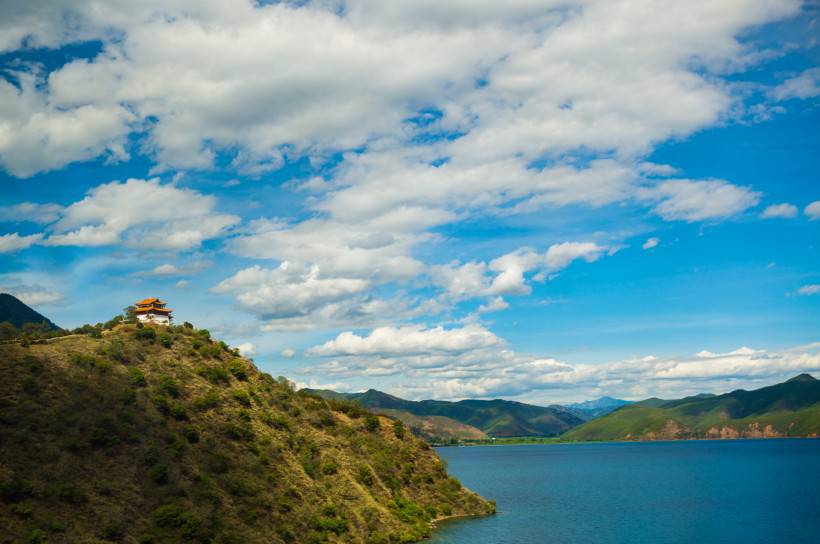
(152, 304)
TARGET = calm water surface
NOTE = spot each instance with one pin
(750, 491)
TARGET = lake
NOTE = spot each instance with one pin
(744, 491)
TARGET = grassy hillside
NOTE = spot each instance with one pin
(492, 417)
(436, 429)
(163, 436)
(791, 408)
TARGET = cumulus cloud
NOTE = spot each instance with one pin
(813, 210)
(808, 290)
(30, 212)
(12, 242)
(690, 200)
(490, 370)
(507, 274)
(34, 291)
(288, 353)
(651, 243)
(495, 304)
(143, 214)
(297, 296)
(247, 349)
(803, 86)
(785, 210)
(410, 340)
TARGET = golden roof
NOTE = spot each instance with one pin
(153, 309)
(147, 301)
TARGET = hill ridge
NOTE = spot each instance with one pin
(165, 435)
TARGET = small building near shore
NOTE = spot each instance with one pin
(153, 310)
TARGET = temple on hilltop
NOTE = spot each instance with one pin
(153, 310)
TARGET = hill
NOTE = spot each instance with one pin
(164, 435)
(502, 418)
(591, 409)
(14, 311)
(791, 408)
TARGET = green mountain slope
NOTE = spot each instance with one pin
(164, 436)
(14, 311)
(493, 417)
(791, 408)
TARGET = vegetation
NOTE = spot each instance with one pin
(130, 437)
(791, 408)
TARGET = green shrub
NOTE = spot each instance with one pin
(166, 339)
(168, 386)
(146, 333)
(37, 536)
(371, 423)
(365, 475)
(208, 401)
(214, 374)
(71, 494)
(15, 490)
(178, 411)
(159, 474)
(238, 431)
(192, 435)
(238, 369)
(242, 397)
(398, 429)
(174, 516)
(84, 361)
(162, 404)
(137, 377)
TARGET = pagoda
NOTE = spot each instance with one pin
(153, 310)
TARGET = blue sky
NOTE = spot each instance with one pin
(547, 201)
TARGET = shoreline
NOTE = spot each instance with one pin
(547, 441)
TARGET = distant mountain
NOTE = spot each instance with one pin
(791, 408)
(18, 313)
(500, 418)
(591, 409)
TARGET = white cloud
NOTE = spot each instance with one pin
(32, 212)
(288, 353)
(690, 200)
(295, 296)
(247, 349)
(182, 284)
(507, 274)
(807, 290)
(489, 370)
(813, 210)
(651, 243)
(784, 210)
(30, 289)
(14, 242)
(409, 340)
(495, 304)
(806, 85)
(143, 214)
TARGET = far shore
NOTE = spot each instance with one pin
(553, 441)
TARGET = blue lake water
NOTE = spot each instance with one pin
(703, 492)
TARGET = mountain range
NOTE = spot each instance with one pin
(16, 312)
(443, 420)
(791, 408)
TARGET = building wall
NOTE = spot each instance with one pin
(154, 318)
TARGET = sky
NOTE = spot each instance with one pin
(539, 200)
